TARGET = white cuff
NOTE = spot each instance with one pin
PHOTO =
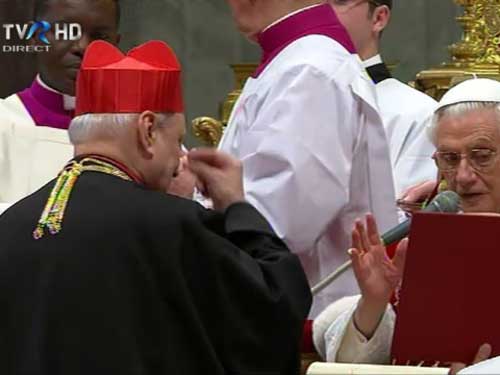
(344, 343)
(4, 207)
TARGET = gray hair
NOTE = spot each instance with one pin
(104, 125)
(456, 110)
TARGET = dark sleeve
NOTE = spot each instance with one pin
(251, 290)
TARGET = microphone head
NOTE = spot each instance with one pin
(447, 201)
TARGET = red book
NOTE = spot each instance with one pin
(449, 301)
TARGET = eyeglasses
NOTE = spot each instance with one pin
(480, 159)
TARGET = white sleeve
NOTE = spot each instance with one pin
(4, 207)
(4, 144)
(415, 163)
(342, 342)
(298, 154)
(490, 366)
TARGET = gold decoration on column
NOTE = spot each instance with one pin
(478, 53)
(210, 130)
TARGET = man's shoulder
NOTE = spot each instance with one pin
(12, 110)
(12, 102)
(406, 95)
(115, 203)
(320, 45)
(158, 208)
(148, 202)
(318, 54)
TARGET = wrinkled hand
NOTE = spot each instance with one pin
(377, 275)
(419, 192)
(219, 176)
(482, 354)
(184, 183)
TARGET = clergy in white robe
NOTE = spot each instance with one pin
(464, 108)
(312, 143)
(406, 114)
(405, 111)
(34, 142)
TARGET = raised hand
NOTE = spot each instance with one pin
(376, 274)
(419, 192)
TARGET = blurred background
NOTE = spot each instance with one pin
(206, 41)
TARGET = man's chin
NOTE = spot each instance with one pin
(69, 87)
(477, 204)
(250, 34)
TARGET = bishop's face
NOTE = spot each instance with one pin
(98, 18)
(468, 145)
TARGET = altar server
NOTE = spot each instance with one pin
(405, 111)
(309, 134)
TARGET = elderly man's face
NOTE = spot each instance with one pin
(479, 188)
(166, 152)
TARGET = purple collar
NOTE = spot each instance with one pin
(45, 107)
(318, 20)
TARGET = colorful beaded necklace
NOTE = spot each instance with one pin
(53, 213)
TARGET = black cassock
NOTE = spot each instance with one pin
(140, 282)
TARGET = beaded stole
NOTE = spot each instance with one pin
(53, 213)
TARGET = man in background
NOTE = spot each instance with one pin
(34, 143)
(405, 111)
(308, 132)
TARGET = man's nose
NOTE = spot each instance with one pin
(80, 45)
(465, 175)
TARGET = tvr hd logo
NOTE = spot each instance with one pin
(39, 29)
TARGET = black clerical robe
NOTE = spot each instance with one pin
(140, 282)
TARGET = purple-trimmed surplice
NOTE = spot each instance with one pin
(318, 20)
(45, 106)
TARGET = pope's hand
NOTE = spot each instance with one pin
(419, 192)
(482, 354)
(376, 274)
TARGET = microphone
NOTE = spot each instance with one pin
(447, 201)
